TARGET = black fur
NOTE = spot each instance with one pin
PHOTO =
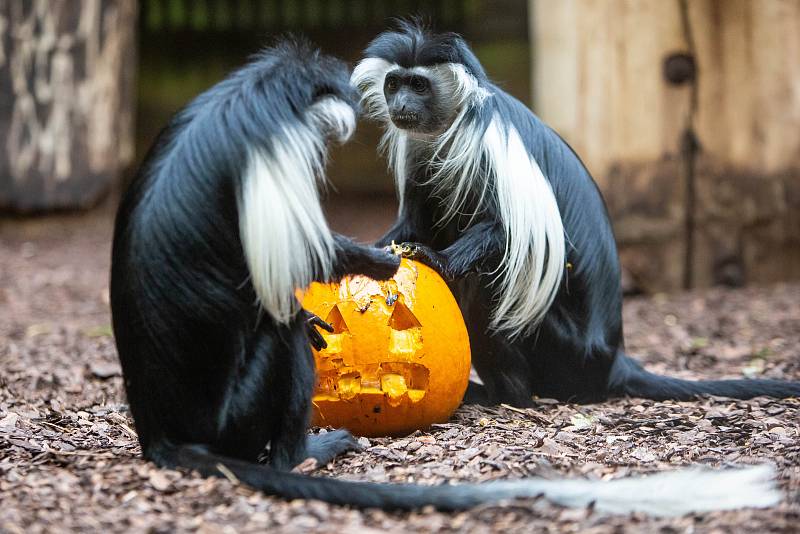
(211, 378)
(412, 46)
(577, 352)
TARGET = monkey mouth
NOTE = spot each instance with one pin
(405, 120)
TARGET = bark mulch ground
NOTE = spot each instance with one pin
(69, 459)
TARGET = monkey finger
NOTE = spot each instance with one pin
(315, 320)
(316, 339)
(408, 250)
(433, 259)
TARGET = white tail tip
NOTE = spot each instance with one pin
(662, 495)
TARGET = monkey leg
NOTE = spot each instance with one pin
(293, 388)
(250, 409)
(290, 443)
(476, 394)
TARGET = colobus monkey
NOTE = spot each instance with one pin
(503, 208)
(220, 226)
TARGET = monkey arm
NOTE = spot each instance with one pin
(476, 247)
(354, 258)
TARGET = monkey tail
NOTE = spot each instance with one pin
(629, 378)
(666, 494)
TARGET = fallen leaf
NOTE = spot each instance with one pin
(581, 421)
(105, 369)
(98, 331)
(309, 465)
(9, 421)
(38, 329)
(754, 368)
(159, 480)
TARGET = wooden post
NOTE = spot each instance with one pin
(602, 78)
(67, 72)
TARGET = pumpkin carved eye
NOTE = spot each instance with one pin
(398, 358)
(335, 319)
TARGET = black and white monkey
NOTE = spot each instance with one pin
(504, 209)
(219, 228)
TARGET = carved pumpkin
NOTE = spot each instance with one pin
(398, 359)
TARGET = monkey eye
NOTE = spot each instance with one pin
(391, 84)
(419, 85)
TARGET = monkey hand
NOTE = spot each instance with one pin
(408, 249)
(394, 248)
(314, 337)
(425, 254)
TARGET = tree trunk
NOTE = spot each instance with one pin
(66, 100)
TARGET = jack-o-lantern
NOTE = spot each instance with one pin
(398, 359)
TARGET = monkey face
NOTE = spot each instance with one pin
(411, 101)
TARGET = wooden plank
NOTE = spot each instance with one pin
(598, 79)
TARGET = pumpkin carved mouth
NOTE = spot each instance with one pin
(338, 380)
(394, 380)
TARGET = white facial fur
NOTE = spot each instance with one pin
(452, 80)
(534, 259)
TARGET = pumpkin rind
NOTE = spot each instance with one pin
(398, 359)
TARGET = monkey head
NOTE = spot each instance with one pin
(418, 82)
(334, 101)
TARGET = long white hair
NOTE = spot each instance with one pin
(491, 163)
(286, 240)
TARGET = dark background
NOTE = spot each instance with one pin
(185, 47)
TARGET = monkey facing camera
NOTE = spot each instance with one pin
(398, 358)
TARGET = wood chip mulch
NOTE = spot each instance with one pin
(69, 460)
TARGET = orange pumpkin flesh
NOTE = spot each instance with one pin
(398, 359)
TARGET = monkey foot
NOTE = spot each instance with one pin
(325, 447)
